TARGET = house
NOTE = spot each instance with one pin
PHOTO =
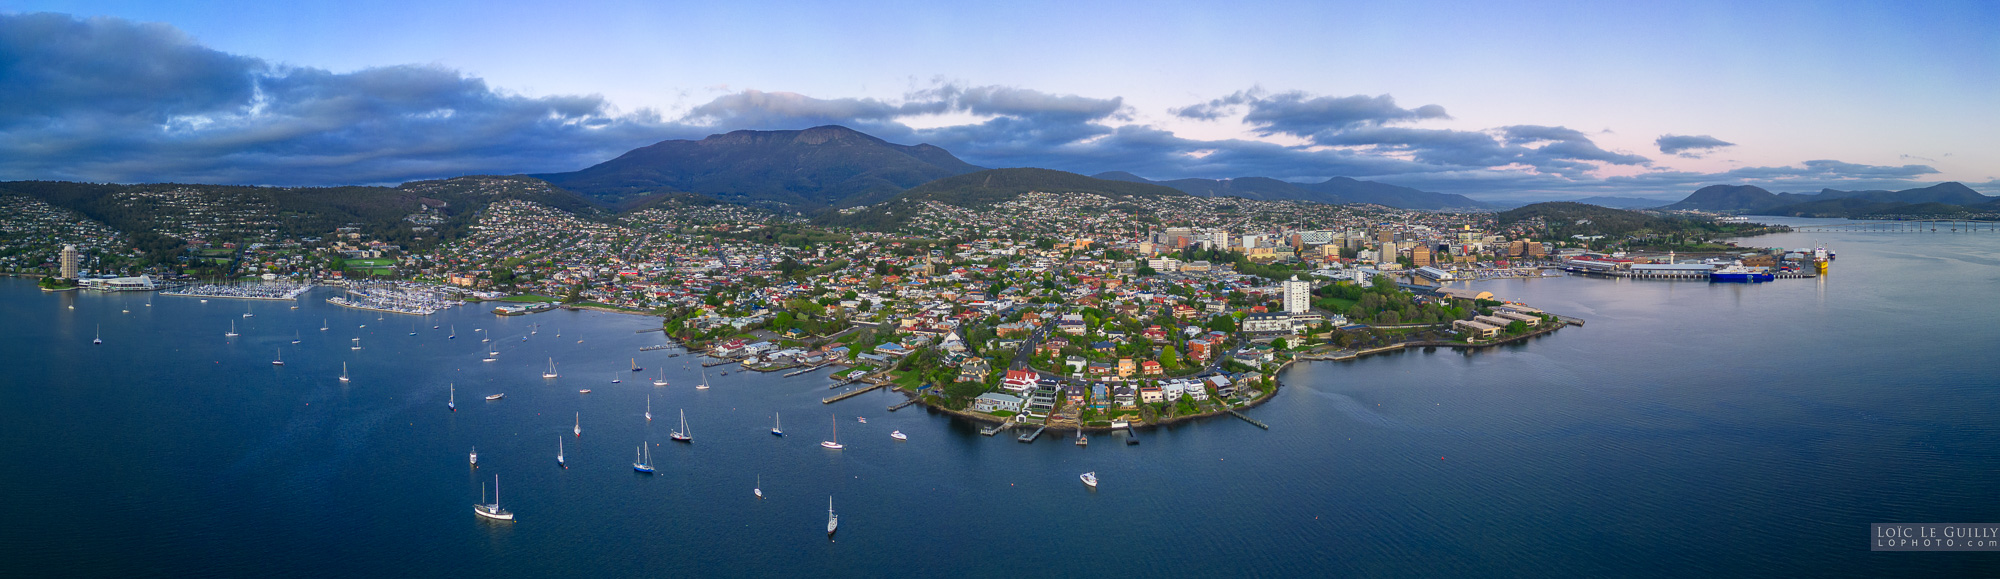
(1076, 364)
(1150, 394)
(1123, 395)
(1018, 381)
(1151, 368)
(1199, 349)
(974, 370)
(1222, 385)
(1476, 329)
(1075, 392)
(1126, 367)
(1100, 396)
(996, 402)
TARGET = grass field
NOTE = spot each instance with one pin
(379, 262)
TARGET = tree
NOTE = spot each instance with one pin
(1168, 359)
(1390, 318)
(1279, 345)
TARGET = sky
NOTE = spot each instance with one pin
(1502, 101)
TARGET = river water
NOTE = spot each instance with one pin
(1690, 429)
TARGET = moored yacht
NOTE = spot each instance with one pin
(1089, 478)
(492, 510)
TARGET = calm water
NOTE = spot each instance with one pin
(1689, 429)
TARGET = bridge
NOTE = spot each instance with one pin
(1907, 226)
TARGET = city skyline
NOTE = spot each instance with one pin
(1504, 103)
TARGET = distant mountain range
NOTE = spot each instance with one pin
(1337, 190)
(812, 169)
(834, 166)
(1942, 199)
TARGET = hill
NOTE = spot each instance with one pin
(988, 188)
(1622, 202)
(828, 166)
(1337, 190)
(1727, 198)
(1565, 218)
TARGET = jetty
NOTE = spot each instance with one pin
(1031, 436)
(1264, 426)
(655, 347)
(848, 394)
(717, 363)
(649, 330)
(995, 429)
(900, 405)
(806, 369)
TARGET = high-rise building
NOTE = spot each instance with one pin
(1221, 240)
(69, 262)
(1420, 255)
(1298, 296)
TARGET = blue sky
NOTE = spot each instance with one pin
(1493, 100)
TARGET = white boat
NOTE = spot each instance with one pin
(861, 420)
(280, 360)
(683, 435)
(99, 340)
(492, 511)
(1089, 478)
(578, 429)
(453, 335)
(643, 461)
(649, 408)
(357, 344)
(832, 520)
(475, 458)
(322, 324)
(559, 452)
(552, 369)
(343, 371)
(232, 330)
(777, 423)
(662, 381)
(898, 435)
(583, 391)
(760, 487)
(295, 336)
(451, 403)
(615, 379)
(704, 380)
(835, 443)
(495, 396)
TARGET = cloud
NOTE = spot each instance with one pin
(1690, 146)
(111, 100)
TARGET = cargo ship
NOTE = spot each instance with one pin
(1742, 274)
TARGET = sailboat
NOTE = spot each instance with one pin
(578, 429)
(662, 381)
(559, 452)
(760, 487)
(615, 379)
(643, 460)
(323, 325)
(453, 335)
(451, 402)
(683, 435)
(835, 443)
(649, 408)
(232, 330)
(413, 328)
(777, 423)
(280, 360)
(475, 457)
(704, 380)
(491, 355)
(246, 310)
(295, 336)
(343, 371)
(635, 365)
(357, 344)
(492, 511)
(552, 369)
(832, 520)
(99, 340)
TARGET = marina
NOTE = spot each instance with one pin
(272, 291)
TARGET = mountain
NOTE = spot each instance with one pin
(1337, 190)
(1727, 198)
(1834, 202)
(987, 188)
(828, 166)
(1566, 218)
(1621, 202)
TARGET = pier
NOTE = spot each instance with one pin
(900, 405)
(1249, 419)
(806, 369)
(1031, 436)
(848, 394)
(995, 429)
(717, 363)
(656, 347)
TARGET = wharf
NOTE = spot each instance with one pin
(900, 405)
(807, 369)
(1031, 436)
(1250, 420)
(655, 347)
(848, 394)
(717, 363)
(995, 429)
